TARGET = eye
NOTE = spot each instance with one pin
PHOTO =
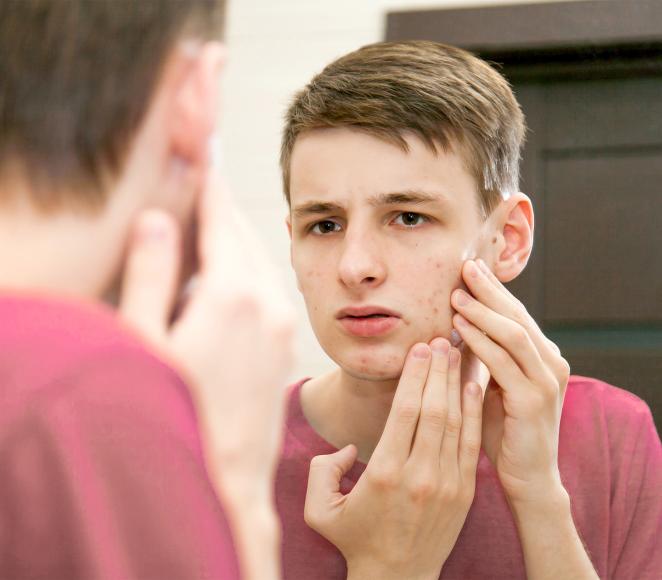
(325, 227)
(410, 219)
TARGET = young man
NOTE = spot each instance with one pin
(107, 109)
(400, 165)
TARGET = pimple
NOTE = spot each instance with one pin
(435, 310)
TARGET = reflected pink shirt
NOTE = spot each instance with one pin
(101, 466)
(610, 460)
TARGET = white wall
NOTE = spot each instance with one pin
(276, 46)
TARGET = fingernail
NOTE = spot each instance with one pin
(472, 269)
(483, 266)
(462, 298)
(473, 389)
(421, 351)
(153, 229)
(440, 346)
(456, 339)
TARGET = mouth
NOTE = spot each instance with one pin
(368, 321)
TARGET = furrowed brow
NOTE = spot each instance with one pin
(316, 208)
(406, 197)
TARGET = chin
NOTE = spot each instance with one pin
(371, 362)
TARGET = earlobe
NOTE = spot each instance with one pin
(515, 237)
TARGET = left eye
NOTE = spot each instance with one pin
(410, 219)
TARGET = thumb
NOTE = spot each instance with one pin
(151, 275)
(326, 471)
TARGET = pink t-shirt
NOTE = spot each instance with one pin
(101, 466)
(611, 464)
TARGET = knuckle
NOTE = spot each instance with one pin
(317, 462)
(519, 336)
(471, 447)
(383, 477)
(434, 416)
(563, 370)
(422, 489)
(449, 490)
(407, 412)
(453, 424)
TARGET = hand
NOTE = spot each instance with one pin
(403, 517)
(522, 415)
(232, 341)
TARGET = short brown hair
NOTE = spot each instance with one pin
(441, 94)
(76, 78)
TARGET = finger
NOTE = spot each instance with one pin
(510, 335)
(450, 444)
(499, 362)
(434, 407)
(326, 473)
(151, 274)
(396, 440)
(470, 436)
(486, 287)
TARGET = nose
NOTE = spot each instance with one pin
(361, 263)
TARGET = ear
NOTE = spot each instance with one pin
(514, 236)
(195, 100)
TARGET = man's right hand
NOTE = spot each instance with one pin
(233, 343)
(404, 515)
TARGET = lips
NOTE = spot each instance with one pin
(367, 321)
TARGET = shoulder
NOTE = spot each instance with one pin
(599, 414)
(78, 359)
(587, 395)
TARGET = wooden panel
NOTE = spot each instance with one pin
(593, 22)
(637, 372)
(603, 113)
(603, 239)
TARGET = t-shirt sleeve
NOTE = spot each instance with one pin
(103, 477)
(636, 512)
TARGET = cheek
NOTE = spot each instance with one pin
(441, 276)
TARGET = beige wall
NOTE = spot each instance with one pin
(275, 48)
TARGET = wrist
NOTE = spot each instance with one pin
(370, 569)
(548, 501)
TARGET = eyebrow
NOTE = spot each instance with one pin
(414, 197)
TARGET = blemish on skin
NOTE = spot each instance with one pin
(494, 240)
(435, 310)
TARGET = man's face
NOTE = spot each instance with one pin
(378, 240)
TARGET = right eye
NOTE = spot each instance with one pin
(325, 227)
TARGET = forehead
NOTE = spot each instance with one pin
(349, 168)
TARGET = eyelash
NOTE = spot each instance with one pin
(423, 218)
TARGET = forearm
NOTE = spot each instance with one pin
(550, 541)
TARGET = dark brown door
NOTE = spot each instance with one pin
(593, 166)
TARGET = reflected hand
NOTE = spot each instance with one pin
(522, 414)
(403, 517)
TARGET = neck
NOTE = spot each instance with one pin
(344, 409)
(67, 253)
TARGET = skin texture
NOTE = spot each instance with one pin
(354, 251)
(373, 258)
